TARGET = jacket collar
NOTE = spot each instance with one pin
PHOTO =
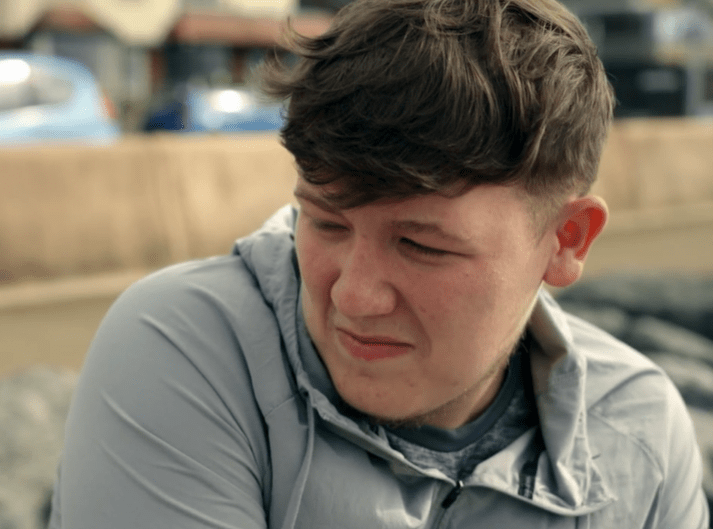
(559, 371)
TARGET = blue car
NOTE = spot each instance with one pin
(223, 109)
(49, 99)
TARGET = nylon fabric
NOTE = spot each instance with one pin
(197, 384)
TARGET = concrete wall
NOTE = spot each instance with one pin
(657, 177)
(79, 224)
(140, 204)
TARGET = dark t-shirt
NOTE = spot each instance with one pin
(457, 452)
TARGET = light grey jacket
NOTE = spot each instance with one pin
(198, 407)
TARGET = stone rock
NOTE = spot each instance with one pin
(33, 409)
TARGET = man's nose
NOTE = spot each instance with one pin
(363, 288)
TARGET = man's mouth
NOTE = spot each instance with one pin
(371, 347)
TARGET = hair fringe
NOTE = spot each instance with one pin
(402, 97)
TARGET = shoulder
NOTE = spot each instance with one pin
(215, 299)
(641, 431)
(184, 316)
(624, 387)
(628, 399)
(631, 402)
(219, 277)
(166, 403)
(608, 367)
(199, 320)
(617, 376)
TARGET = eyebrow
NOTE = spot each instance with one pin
(429, 228)
(411, 226)
(320, 202)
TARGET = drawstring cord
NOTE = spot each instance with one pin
(301, 482)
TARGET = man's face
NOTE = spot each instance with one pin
(415, 305)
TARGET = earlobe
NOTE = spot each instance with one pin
(581, 221)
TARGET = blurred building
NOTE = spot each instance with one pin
(139, 49)
(658, 53)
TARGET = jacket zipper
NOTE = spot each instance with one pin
(452, 496)
(527, 481)
(449, 500)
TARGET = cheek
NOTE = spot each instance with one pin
(447, 301)
(477, 306)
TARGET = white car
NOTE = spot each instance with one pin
(49, 99)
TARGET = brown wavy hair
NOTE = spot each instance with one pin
(404, 97)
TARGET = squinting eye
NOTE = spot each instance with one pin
(426, 250)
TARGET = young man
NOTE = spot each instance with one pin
(386, 356)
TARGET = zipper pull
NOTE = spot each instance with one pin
(527, 480)
(529, 469)
(452, 495)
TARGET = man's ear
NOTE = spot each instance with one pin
(580, 222)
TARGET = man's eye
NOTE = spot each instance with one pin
(426, 250)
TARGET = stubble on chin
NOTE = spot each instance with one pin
(496, 375)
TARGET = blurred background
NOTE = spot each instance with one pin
(132, 137)
(147, 54)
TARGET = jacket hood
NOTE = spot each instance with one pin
(269, 255)
(569, 481)
(559, 374)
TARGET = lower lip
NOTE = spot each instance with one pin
(371, 351)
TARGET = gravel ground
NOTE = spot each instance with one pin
(33, 407)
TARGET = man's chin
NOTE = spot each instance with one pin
(410, 422)
(416, 421)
